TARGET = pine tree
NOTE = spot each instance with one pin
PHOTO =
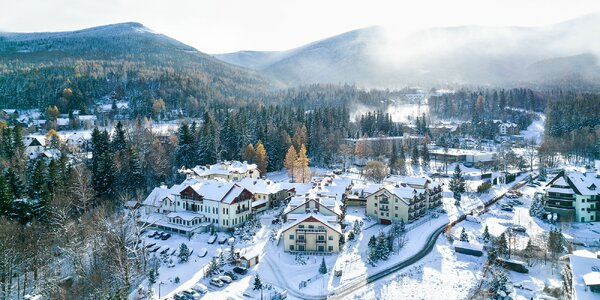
(261, 158)
(323, 267)
(486, 234)
(185, 153)
(6, 197)
(382, 247)
(290, 161)
(415, 155)
(372, 242)
(184, 253)
(351, 236)
(425, 156)
(356, 228)
(457, 183)
(394, 160)
(555, 242)
(464, 237)
(231, 257)
(502, 244)
(213, 266)
(119, 141)
(257, 283)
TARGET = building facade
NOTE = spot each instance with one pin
(312, 233)
(574, 196)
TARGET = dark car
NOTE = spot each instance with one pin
(507, 208)
(231, 274)
(165, 236)
(275, 221)
(240, 270)
(153, 234)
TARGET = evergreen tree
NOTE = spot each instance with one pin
(372, 242)
(502, 244)
(356, 228)
(6, 197)
(464, 237)
(134, 176)
(119, 141)
(394, 159)
(323, 267)
(213, 266)
(425, 156)
(542, 176)
(415, 155)
(231, 257)
(186, 147)
(555, 242)
(184, 253)
(261, 158)
(457, 183)
(382, 247)
(351, 236)
(257, 283)
(207, 145)
(486, 234)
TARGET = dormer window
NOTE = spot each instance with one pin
(592, 187)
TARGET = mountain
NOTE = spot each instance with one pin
(126, 58)
(377, 57)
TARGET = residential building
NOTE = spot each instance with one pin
(574, 196)
(311, 232)
(227, 170)
(508, 128)
(467, 157)
(584, 270)
(195, 205)
(267, 193)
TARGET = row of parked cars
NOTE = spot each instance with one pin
(228, 277)
(160, 235)
(194, 293)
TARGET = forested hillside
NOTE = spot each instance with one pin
(126, 60)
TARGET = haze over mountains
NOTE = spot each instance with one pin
(560, 54)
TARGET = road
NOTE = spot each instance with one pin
(427, 248)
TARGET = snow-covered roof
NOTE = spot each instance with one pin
(215, 190)
(420, 181)
(87, 118)
(312, 218)
(225, 168)
(467, 245)
(584, 268)
(260, 186)
(586, 184)
(403, 192)
(560, 190)
(157, 195)
(259, 202)
(62, 121)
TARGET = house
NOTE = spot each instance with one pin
(80, 140)
(249, 260)
(86, 121)
(508, 128)
(34, 145)
(433, 190)
(311, 232)
(227, 170)
(468, 157)
(267, 193)
(584, 270)
(195, 205)
(574, 196)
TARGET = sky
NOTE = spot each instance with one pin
(220, 26)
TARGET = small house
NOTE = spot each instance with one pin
(249, 260)
(468, 248)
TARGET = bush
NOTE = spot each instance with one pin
(484, 187)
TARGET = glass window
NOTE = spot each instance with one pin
(331, 237)
(291, 247)
(291, 236)
(330, 248)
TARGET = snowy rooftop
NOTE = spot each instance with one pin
(586, 184)
(157, 195)
(312, 218)
(225, 168)
(185, 215)
(420, 181)
(584, 268)
(260, 186)
(467, 245)
(560, 190)
(404, 192)
(215, 190)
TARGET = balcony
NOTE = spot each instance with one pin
(384, 201)
(321, 242)
(242, 210)
(384, 209)
(300, 241)
(309, 230)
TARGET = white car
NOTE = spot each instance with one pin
(217, 282)
(190, 293)
(200, 288)
(225, 279)
(202, 252)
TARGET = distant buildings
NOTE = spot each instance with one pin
(403, 199)
(471, 158)
(574, 196)
(508, 128)
(227, 170)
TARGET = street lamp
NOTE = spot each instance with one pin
(159, 284)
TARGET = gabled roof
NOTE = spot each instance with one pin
(226, 192)
(157, 195)
(225, 168)
(312, 218)
(260, 186)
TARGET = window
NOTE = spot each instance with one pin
(321, 249)
(291, 236)
(321, 238)
(300, 247)
(582, 219)
(311, 226)
(300, 226)
(396, 215)
(330, 248)
(582, 209)
(291, 247)
(301, 237)
(396, 207)
(375, 211)
(331, 237)
(375, 204)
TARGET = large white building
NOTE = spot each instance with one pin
(574, 196)
(195, 205)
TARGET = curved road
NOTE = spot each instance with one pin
(431, 240)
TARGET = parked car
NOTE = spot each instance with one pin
(154, 248)
(517, 202)
(191, 294)
(231, 274)
(507, 208)
(225, 279)
(217, 282)
(202, 252)
(150, 245)
(180, 296)
(200, 288)
(518, 228)
(165, 236)
(212, 239)
(240, 270)
(164, 250)
(222, 240)
(158, 235)
(153, 234)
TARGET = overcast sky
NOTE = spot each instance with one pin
(216, 26)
